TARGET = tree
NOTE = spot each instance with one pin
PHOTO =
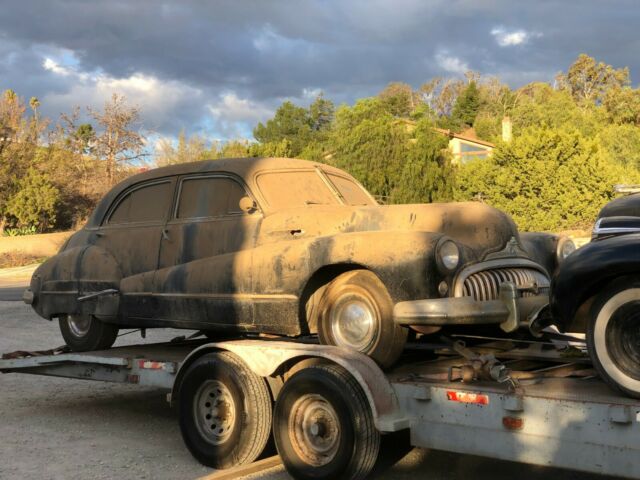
(545, 178)
(290, 122)
(35, 201)
(467, 106)
(399, 99)
(588, 80)
(441, 95)
(321, 113)
(622, 105)
(427, 174)
(187, 150)
(118, 143)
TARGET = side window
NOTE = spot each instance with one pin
(209, 197)
(144, 204)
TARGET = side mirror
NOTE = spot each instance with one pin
(248, 205)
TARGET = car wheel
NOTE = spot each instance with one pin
(323, 427)
(83, 333)
(356, 311)
(613, 336)
(225, 411)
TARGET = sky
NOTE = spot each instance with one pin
(216, 68)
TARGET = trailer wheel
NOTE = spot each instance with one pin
(83, 333)
(323, 426)
(225, 411)
(613, 336)
(356, 311)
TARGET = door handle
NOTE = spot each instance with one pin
(165, 234)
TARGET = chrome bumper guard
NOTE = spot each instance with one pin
(509, 310)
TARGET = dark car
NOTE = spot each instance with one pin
(288, 247)
(597, 291)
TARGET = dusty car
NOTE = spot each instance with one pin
(288, 247)
(597, 292)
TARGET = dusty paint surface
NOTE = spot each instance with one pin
(254, 269)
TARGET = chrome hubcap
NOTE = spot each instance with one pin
(314, 429)
(215, 412)
(79, 324)
(353, 322)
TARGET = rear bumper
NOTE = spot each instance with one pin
(508, 311)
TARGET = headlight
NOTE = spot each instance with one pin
(565, 248)
(448, 255)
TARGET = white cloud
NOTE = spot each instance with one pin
(450, 63)
(234, 117)
(233, 108)
(510, 38)
(55, 67)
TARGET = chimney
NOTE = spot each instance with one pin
(506, 129)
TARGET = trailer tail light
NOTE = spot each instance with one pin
(466, 397)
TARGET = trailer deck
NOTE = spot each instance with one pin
(552, 411)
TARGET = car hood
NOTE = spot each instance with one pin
(482, 228)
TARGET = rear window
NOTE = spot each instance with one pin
(352, 193)
(295, 189)
(209, 197)
(145, 204)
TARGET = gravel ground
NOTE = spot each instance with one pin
(54, 428)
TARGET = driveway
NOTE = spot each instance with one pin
(55, 428)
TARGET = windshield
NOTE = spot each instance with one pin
(295, 188)
(352, 193)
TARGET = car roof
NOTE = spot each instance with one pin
(242, 167)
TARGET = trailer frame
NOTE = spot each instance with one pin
(574, 423)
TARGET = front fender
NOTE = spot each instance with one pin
(404, 261)
(585, 272)
(542, 248)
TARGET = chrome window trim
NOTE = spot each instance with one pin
(174, 215)
(106, 222)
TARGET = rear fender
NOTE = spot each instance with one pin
(74, 273)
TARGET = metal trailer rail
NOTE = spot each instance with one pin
(574, 423)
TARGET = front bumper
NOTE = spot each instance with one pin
(509, 311)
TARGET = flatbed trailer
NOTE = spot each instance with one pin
(553, 412)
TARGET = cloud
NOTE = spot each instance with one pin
(215, 68)
(510, 38)
(235, 117)
(451, 64)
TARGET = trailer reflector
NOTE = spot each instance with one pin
(466, 397)
(513, 423)
(149, 365)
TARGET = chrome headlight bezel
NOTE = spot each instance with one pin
(447, 255)
(564, 248)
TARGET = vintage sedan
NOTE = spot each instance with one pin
(597, 291)
(288, 247)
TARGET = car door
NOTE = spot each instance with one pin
(131, 233)
(204, 271)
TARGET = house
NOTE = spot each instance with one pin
(466, 146)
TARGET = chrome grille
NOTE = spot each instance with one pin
(485, 285)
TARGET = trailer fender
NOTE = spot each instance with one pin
(265, 358)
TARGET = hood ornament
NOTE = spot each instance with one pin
(511, 249)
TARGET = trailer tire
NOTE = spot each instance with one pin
(225, 411)
(356, 311)
(323, 426)
(613, 336)
(83, 333)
